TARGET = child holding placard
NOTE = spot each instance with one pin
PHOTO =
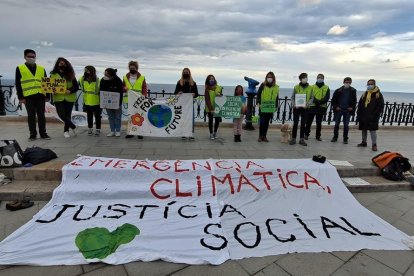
(237, 122)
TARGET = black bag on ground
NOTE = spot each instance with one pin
(11, 155)
(395, 169)
(36, 155)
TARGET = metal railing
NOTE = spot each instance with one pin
(393, 114)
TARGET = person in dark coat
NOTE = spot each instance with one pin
(370, 107)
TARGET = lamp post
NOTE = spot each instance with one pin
(2, 107)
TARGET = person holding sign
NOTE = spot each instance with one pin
(317, 106)
(134, 81)
(89, 84)
(300, 99)
(212, 90)
(267, 99)
(112, 83)
(64, 101)
(28, 79)
(237, 122)
(187, 85)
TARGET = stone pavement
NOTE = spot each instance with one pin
(395, 207)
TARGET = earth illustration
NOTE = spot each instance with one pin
(159, 115)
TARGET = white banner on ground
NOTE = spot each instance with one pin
(160, 117)
(195, 211)
(78, 118)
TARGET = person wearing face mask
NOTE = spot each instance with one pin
(237, 122)
(112, 83)
(267, 100)
(89, 83)
(343, 104)
(212, 90)
(370, 107)
(299, 112)
(64, 102)
(134, 81)
(187, 85)
(28, 78)
(317, 106)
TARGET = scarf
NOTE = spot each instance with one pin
(368, 94)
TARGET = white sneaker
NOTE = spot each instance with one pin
(215, 135)
(110, 134)
(90, 132)
(118, 134)
(74, 132)
(212, 136)
(97, 132)
(66, 134)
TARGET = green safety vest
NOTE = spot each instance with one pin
(137, 87)
(319, 93)
(61, 97)
(90, 92)
(269, 94)
(300, 90)
(31, 84)
(213, 94)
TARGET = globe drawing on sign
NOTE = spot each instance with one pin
(159, 115)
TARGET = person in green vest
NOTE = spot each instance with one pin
(28, 78)
(64, 101)
(134, 81)
(317, 106)
(89, 83)
(267, 100)
(300, 99)
(212, 90)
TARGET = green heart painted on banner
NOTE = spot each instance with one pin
(99, 243)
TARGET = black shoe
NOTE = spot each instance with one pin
(45, 137)
(362, 144)
(345, 141)
(183, 138)
(306, 137)
(319, 138)
(140, 137)
(191, 138)
(128, 136)
(334, 140)
(32, 137)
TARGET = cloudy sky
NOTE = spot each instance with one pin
(227, 38)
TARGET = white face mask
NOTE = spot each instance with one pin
(319, 80)
(304, 80)
(370, 87)
(270, 80)
(31, 60)
(347, 85)
(106, 78)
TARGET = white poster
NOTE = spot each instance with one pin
(160, 117)
(109, 100)
(195, 211)
(300, 100)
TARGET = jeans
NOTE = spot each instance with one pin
(35, 105)
(114, 118)
(337, 118)
(373, 136)
(299, 113)
(64, 110)
(217, 121)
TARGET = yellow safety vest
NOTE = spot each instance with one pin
(31, 84)
(137, 87)
(269, 94)
(300, 90)
(212, 94)
(61, 97)
(319, 93)
(90, 92)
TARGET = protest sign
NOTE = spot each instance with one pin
(53, 85)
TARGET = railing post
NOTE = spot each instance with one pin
(2, 107)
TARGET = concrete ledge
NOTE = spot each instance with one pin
(37, 190)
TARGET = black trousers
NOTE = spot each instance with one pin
(64, 110)
(35, 105)
(309, 122)
(264, 123)
(217, 121)
(91, 111)
(299, 113)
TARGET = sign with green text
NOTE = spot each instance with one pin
(228, 106)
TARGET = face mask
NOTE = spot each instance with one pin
(319, 80)
(186, 76)
(31, 61)
(62, 67)
(304, 80)
(270, 80)
(347, 85)
(87, 74)
(106, 78)
(133, 72)
(370, 87)
(212, 82)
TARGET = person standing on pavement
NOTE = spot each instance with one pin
(64, 102)
(112, 83)
(89, 84)
(300, 108)
(28, 78)
(370, 107)
(317, 106)
(212, 90)
(134, 81)
(187, 85)
(238, 122)
(267, 100)
(343, 103)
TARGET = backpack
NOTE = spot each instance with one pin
(392, 165)
(36, 155)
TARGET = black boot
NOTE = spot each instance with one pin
(238, 138)
(235, 138)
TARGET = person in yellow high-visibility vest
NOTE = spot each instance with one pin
(212, 90)
(64, 102)
(28, 78)
(134, 81)
(89, 84)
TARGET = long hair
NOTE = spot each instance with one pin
(92, 70)
(190, 80)
(207, 85)
(235, 90)
(273, 76)
(69, 73)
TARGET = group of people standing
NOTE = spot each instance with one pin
(344, 101)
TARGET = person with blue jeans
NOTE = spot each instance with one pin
(112, 83)
(343, 102)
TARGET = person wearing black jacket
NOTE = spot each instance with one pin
(343, 103)
(187, 85)
(112, 83)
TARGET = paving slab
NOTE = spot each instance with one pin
(256, 264)
(271, 270)
(118, 270)
(156, 268)
(397, 260)
(43, 270)
(228, 268)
